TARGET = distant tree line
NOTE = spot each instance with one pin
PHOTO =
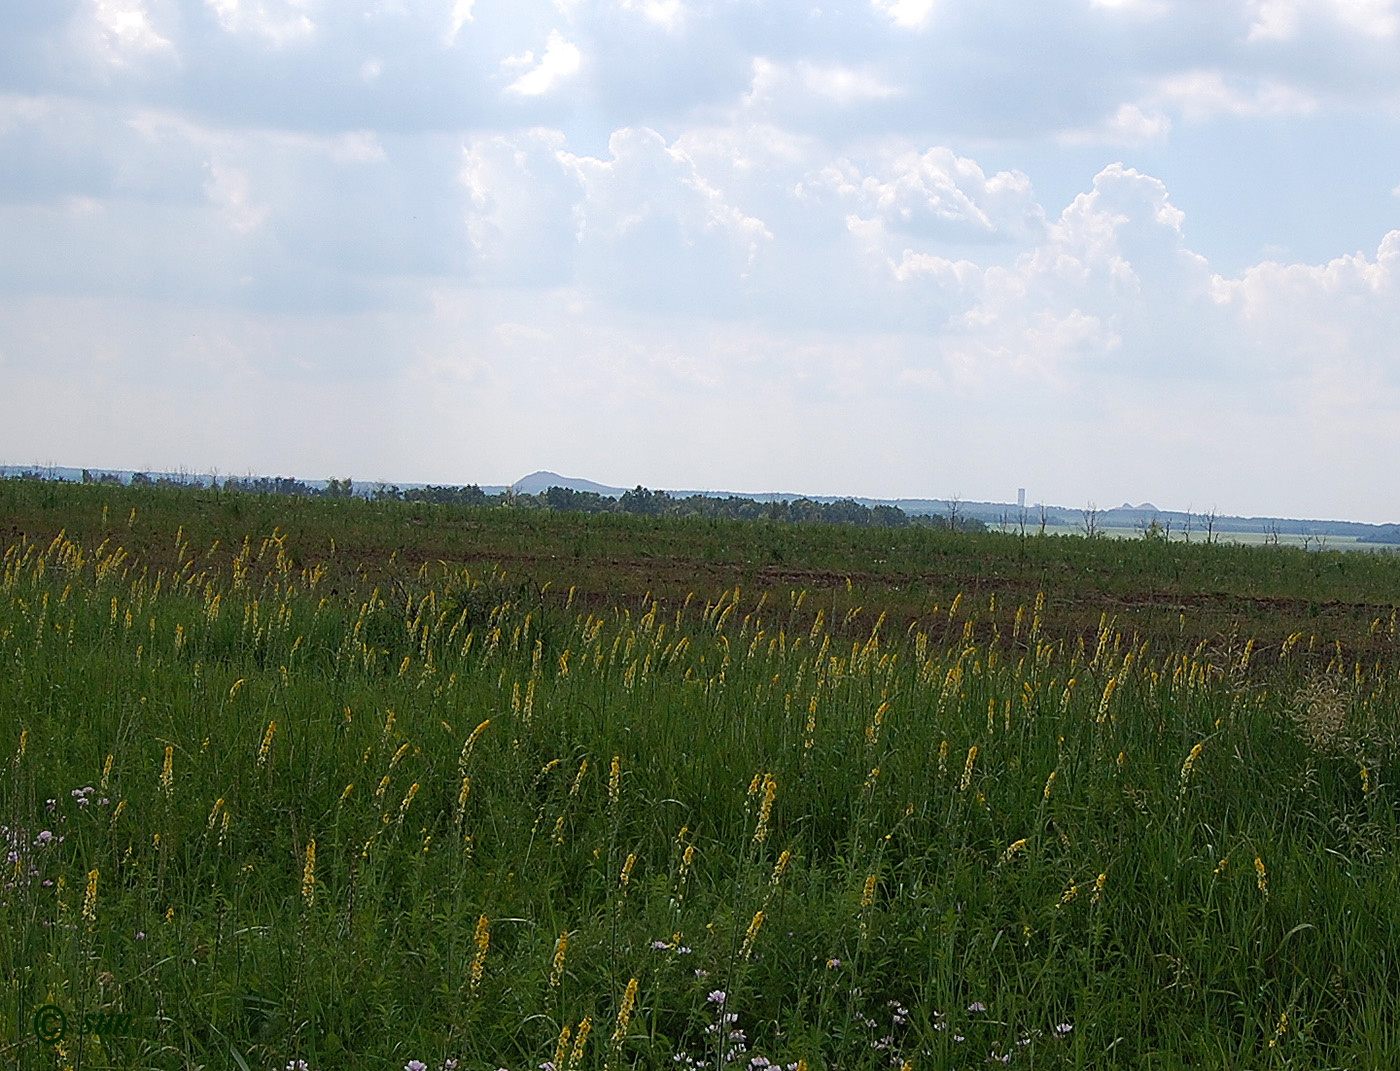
(643, 502)
(640, 501)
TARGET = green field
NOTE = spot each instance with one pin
(363, 784)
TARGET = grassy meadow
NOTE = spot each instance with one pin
(378, 785)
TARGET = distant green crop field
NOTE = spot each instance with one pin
(372, 785)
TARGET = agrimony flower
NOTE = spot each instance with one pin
(483, 942)
(585, 1026)
(266, 742)
(561, 1048)
(780, 868)
(556, 970)
(624, 1013)
(751, 935)
(1013, 849)
(765, 808)
(308, 874)
(1190, 764)
(967, 769)
(90, 898)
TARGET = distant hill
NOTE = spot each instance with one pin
(536, 482)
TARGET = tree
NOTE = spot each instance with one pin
(1090, 526)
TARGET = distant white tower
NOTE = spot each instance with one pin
(1021, 497)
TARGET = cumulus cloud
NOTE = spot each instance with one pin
(561, 59)
(278, 22)
(127, 30)
(1200, 95)
(909, 14)
(1281, 20)
(935, 193)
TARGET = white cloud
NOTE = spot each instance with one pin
(831, 83)
(1281, 20)
(126, 30)
(461, 15)
(651, 226)
(1129, 125)
(668, 14)
(935, 192)
(229, 189)
(910, 14)
(1204, 94)
(279, 22)
(561, 60)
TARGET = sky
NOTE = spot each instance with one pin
(1105, 250)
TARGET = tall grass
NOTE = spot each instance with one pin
(436, 816)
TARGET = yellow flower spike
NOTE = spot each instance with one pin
(687, 859)
(167, 779)
(1013, 849)
(1049, 784)
(765, 810)
(751, 935)
(624, 1013)
(561, 1047)
(576, 1056)
(483, 943)
(266, 742)
(615, 781)
(1098, 888)
(578, 777)
(1190, 763)
(781, 868)
(90, 898)
(967, 769)
(626, 876)
(1261, 877)
(407, 800)
(556, 970)
(308, 875)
